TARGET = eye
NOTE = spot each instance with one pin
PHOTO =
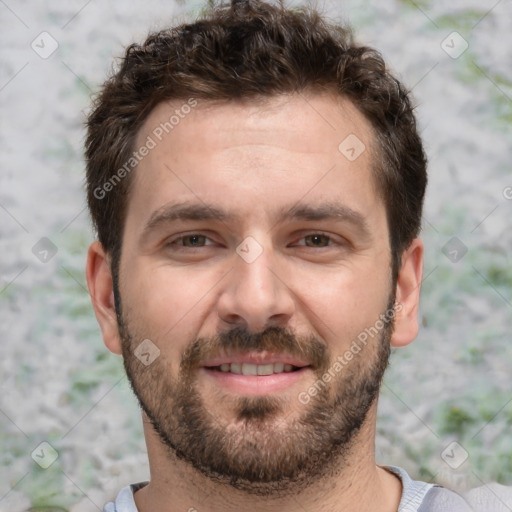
(189, 241)
(317, 240)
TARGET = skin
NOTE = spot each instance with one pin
(252, 160)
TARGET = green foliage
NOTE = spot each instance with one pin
(455, 420)
(499, 275)
(425, 474)
(44, 488)
(423, 4)
(85, 380)
(473, 355)
(462, 21)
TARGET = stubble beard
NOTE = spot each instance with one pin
(262, 451)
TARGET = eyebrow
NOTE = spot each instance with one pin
(201, 211)
(185, 211)
(327, 211)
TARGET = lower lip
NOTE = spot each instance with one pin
(256, 384)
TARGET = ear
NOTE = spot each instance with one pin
(408, 295)
(99, 282)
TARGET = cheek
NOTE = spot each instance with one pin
(340, 304)
(167, 304)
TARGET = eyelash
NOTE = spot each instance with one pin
(175, 242)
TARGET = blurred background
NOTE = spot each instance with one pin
(70, 431)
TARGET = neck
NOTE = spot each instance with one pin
(357, 483)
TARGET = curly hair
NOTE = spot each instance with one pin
(248, 51)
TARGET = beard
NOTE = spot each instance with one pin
(264, 447)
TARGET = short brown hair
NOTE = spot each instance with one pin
(250, 50)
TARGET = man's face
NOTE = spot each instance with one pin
(252, 244)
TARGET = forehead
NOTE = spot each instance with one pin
(263, 155)
(317, 120)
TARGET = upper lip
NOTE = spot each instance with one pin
(258, 358)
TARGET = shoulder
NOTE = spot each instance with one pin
(487, 498)
(440, 499)
(423, 497)
(491, 497)
(124, 501)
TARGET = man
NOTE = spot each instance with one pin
(256, 181)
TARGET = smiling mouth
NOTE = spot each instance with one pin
(255, 369)
(256, 373)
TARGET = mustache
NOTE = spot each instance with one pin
(272, 339)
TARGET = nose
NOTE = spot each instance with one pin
(255, 295)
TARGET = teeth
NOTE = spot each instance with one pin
(278, 367)
(255, 369)
(249, 369)
(236, 368)
(265, 369)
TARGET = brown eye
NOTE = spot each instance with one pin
(317, 240)
(193, 240)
